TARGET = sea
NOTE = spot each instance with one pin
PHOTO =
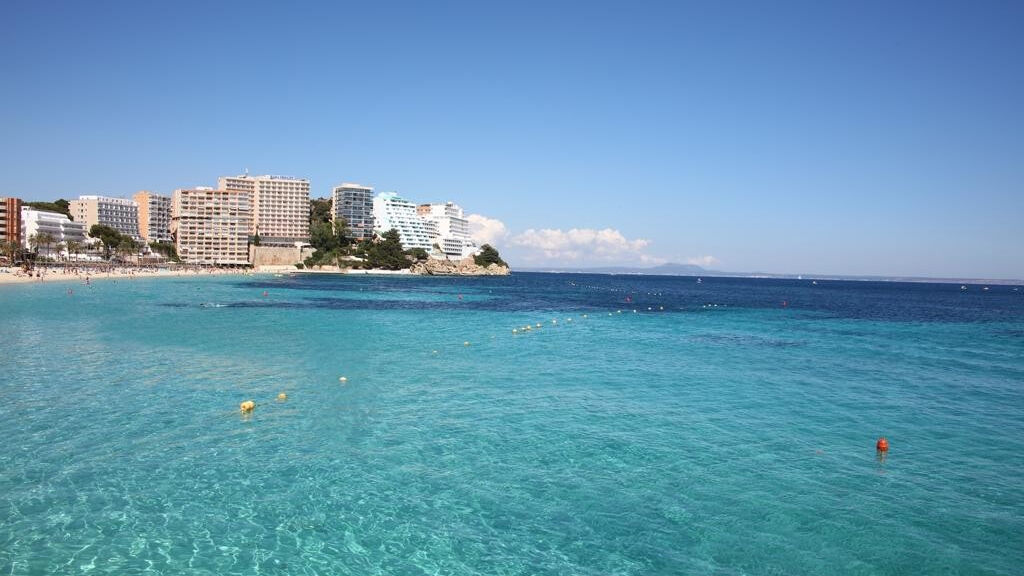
(535, 424)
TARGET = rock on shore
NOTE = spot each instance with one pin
(464, 267)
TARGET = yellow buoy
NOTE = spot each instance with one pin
(342, 379)
(282, 396)
(247, 406)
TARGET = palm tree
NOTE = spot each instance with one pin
(74, 247)
(10, 249)
(59, 247)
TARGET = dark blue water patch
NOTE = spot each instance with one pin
(745, 340)
(880, 301)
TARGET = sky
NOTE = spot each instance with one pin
(790, 137)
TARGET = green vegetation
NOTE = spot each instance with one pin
(331, 243)
(487, 256)
(165, 249)
(60, 206)
(319, 211)
(385, 254)
(108, 237)
(418, 254)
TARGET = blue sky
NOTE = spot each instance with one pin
(801, 137)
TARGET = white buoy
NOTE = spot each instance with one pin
(515, 331)
(466, 343)
(342, 379)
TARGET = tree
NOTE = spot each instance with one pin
(417, 253)
(110, 238)
(60, 206)
(487, 256)
(74, 247)
(256, 240)
(11, 249)
(59, 248)
(319, 211)
(128, 247)
(388, 253)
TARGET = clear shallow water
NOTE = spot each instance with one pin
(730, 439)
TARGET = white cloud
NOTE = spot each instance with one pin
(486, 230)
(581, 244)
(702, 260)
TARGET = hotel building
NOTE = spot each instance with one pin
(280, 207)
(10, 220)
(154, 216)
(57, 225)
(391, 211)
(211, 226)
(120, 214)
(354, 204)
(448, 228)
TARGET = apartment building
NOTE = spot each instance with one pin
(154, 216)
(121, 214)
(354, 204)
(10, 220)
(280, 207)
(212, 226)
(448, 228)
(391, 211)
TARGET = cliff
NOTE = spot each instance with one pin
(464, 267)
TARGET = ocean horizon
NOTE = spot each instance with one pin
(529, 424)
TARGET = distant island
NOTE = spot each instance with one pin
(675, 269)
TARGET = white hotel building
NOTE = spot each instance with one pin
(448, 228)
(57, 225)
(391, 211)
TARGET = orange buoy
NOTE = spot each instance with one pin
(882, 445)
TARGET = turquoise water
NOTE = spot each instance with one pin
(724, 434)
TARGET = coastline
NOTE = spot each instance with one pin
(12, 276)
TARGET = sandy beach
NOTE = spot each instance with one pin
(11, 275)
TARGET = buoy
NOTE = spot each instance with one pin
(282, 396)
(264, 293)
(247, 406)
(584, 315)
(433, 351)
(882, 445)
(538, 325)
(342, 379)
(554, 321)
(661, 307)
(466, 343)
(515, 331)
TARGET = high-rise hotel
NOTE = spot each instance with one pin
(280, 207)
(392, 212)
(10, 220)
(212, 226)
(154, 216)
(448, 227)
(120, 214)
(354, 204)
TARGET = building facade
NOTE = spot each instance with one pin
(212, 226)
(354, 204)
(120, 214)
(448, 228)
(59, 229)
(391, 211)
(10, 220)
(280, 207)
(154, 216)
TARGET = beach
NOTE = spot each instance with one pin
(11, 275)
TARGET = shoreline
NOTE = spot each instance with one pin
(14, 277)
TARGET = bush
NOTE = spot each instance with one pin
(487, 256)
